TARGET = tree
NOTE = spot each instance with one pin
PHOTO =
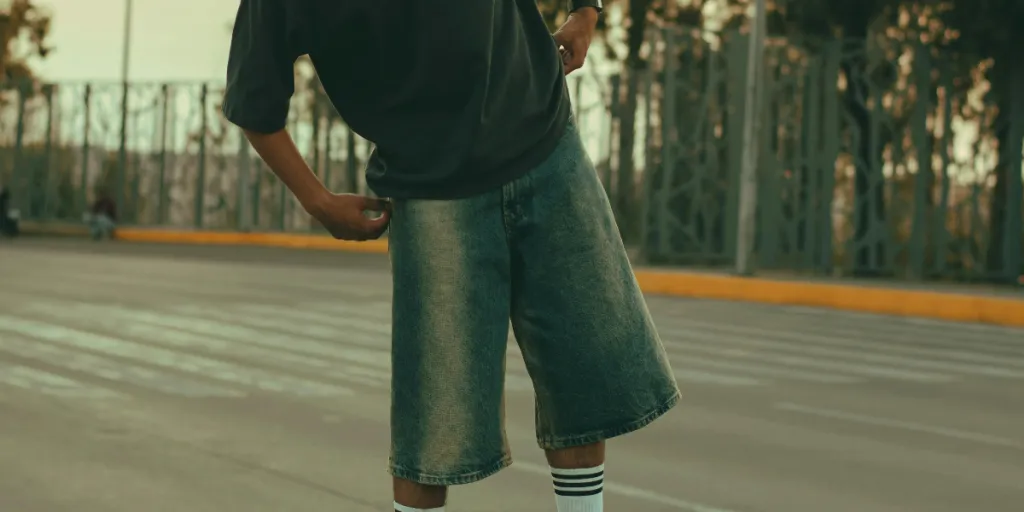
(988, 31)
(853, 21)
(23, 22)
(24, 28)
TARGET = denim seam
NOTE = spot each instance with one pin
(559, 442)
(451, 479)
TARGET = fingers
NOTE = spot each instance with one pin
(373, 228)
(369, 228)
(573, 57)
(374, 204)
(348, 220)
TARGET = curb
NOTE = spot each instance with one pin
(293, 241)
(958, 307)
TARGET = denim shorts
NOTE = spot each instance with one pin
(545, 252)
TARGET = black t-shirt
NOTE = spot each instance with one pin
(458, 96)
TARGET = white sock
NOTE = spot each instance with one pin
(579, 490)
(403, 508)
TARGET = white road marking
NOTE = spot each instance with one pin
(213, 368)
(899, 424)
(627, 490)
(47, 383)
(108, 369)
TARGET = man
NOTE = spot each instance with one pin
(495, 212)
(8, 218)
(103, 217)
(8, 224)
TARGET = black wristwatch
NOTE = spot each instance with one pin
(575, 5)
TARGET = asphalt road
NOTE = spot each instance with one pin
(195, 379)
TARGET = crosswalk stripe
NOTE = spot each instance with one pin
(837, 346)
(685, 343)
(738, 337)
(110, 370)
(217, 370)
(173, 337)
(354, 318)
(371, 309)
(33, 379)
(983, 341)
(702, 377)
(348, 315)
(350, 342)
(366, 367)
(364, 334)
(354, 332)
(684, 360)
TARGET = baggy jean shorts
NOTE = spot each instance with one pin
(544, 252)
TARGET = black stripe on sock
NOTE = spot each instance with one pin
(590, 492)
(557, 476)
(578, 484)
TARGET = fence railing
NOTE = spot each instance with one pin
(877, 159)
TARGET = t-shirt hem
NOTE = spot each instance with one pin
(522, 166)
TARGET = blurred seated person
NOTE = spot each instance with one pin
(102, 218)
(8, 220)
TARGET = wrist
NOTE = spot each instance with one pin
(588, 13)
(313, 201)
(593, 7)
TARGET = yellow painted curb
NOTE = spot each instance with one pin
(293, 241)
(868, 299)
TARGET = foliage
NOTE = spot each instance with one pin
(24, 33)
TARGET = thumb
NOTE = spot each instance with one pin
(374, 204)
(375, 227)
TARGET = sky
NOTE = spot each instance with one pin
(171, 39)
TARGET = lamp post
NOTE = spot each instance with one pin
(122, 155)
(746, 233)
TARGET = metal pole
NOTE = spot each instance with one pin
(122, 156)
(747, 229)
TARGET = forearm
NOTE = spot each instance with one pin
(279, 152)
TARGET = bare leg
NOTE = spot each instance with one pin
(578, 457)
(578, 475)
(412, 494)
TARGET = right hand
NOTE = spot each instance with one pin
(342, 215)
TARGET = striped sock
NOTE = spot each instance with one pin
(403, 508)
(579, 490)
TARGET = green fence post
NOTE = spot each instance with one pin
(122, 151)
(47, 156)
(922, 139)
(351, 170)
(328, 168)
(161, 192)
(1013, 228)
(244, 181)
(19, 189)
(83, 180)
(200, 198)
(668, 143)
(830, 134)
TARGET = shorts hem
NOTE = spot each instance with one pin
(561, 442)
(421, 477)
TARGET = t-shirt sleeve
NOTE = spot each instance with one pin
(260, 77)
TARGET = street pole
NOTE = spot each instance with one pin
(746, 232)
(122, 155)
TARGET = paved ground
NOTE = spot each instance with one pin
(220, 379)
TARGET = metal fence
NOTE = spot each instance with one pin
(877, 158)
